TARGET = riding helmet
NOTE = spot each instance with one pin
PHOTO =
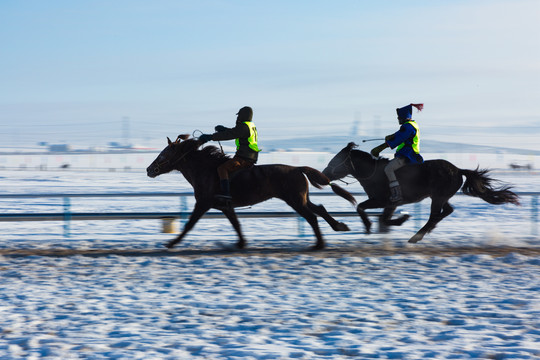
(245, 114)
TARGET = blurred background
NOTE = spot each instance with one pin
(118, 77)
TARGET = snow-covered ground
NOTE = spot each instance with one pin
(111, 291)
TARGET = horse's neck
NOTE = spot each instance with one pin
(366, 172)
(186, 173)
(196, 170)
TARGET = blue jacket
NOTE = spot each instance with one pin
(405, 134)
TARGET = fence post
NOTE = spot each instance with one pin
(534, 215)
(67, 216)
(300, 225)
(183, 209)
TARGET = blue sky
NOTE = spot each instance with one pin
(74, 70)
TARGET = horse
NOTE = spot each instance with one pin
(249, 186)
(437, 179)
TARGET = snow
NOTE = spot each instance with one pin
(110, 290)
(270, 307)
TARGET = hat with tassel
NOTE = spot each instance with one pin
(406, 111)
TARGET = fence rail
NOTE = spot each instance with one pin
(156, 215)
(183, 213)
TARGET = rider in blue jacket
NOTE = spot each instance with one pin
(407, 141)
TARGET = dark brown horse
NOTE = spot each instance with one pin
(248, 186)
(437, 179)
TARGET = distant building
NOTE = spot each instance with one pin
(117, 145)
(60, 148)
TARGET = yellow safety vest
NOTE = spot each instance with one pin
(416, 139)
(252, 139)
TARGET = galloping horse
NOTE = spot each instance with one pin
(248, 186)
(437, 179)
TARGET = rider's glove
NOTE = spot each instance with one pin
(220, 128)
(377, 150)
(205, 138)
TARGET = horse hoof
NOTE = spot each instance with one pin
(342, 227)
(415, 239)
(402, 219)
(241, 245)
(317, 247)
(169, 245)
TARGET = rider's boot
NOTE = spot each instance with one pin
(224, 199)
(395, 192)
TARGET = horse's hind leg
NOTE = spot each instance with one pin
(321, 211)
(446, 210)
(231, 215)
(438, 212)
(311, 218)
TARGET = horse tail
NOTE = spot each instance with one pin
(318, 179)
(479, 184)
(338, 190)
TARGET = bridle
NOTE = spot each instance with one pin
(159, 165)
(349, 158)
(172, 163)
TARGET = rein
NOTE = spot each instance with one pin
(219, 142)
(349, 158)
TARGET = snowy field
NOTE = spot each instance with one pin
(470, 290)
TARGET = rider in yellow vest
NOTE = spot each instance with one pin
(247, 150)
(407, 141)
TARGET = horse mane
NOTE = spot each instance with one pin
(208, 153)
(214, 153)
(363, 155)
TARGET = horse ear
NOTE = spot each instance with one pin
(183, 136)
(351, 145)
(169, 141)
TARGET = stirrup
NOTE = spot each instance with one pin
(395, 194)
(223, 197)
(223, 202)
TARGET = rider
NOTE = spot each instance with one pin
(407, 140)
(247, 150)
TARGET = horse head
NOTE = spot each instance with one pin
(351, 161)
(168, 158)
(340, 165)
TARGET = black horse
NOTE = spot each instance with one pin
(248, 186)
(437, 179)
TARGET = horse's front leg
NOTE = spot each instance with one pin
(368, 204)
(198, 211)
(386, 217)
(231, 215)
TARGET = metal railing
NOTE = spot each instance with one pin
(66, 215)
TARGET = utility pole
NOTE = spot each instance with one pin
(125, 131)
(377, 125)
(355, 130)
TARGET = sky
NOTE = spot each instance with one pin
(99, 71)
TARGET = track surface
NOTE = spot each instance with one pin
(367, 251)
